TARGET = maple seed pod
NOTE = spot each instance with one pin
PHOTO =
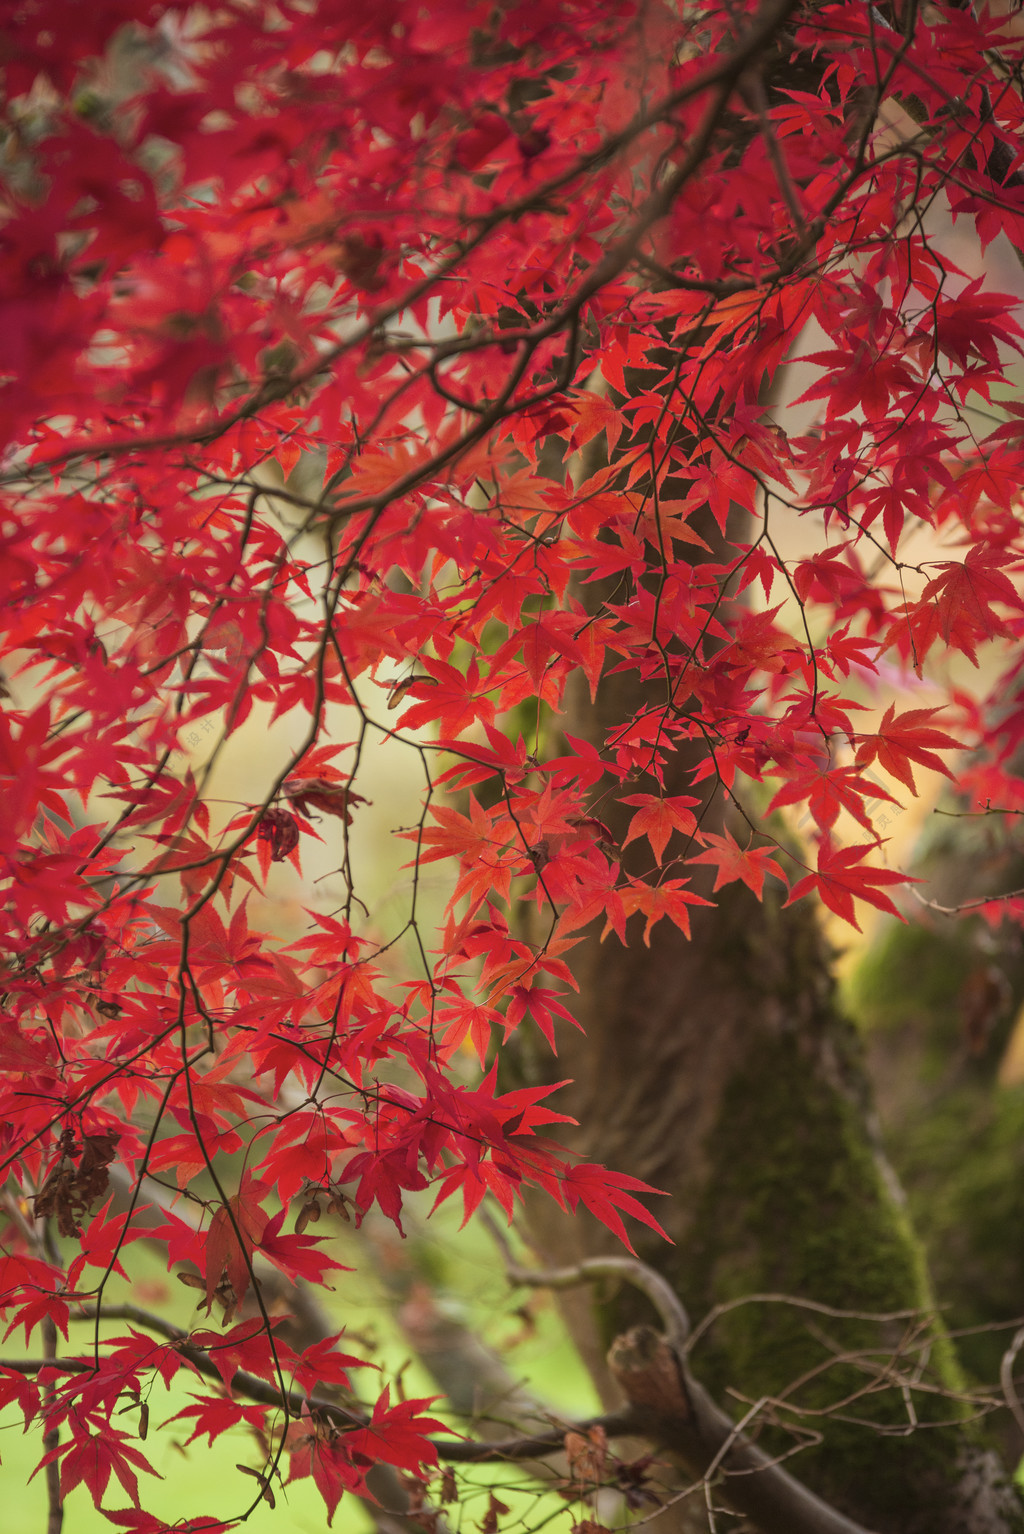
(399, 689)
(310, 1211)
(338, 1204)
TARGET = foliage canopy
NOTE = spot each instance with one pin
(522, 284)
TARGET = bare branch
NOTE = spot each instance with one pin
(662, 1296)
(1006, 1378)
(671, 1407)
(454, 1451)
(707, 1439)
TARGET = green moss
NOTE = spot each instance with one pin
(956, 1138)
(797, 1205)
(910, 972)
(962, 1161)
(796, 1202)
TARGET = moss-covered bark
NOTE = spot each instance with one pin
(722, 1072)
(798, 1205)
(937, 1002)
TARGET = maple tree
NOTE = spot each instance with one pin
(521, 285)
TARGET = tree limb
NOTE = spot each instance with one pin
(671, 1407)
(454, 1451)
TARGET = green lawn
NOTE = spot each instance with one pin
(204, 1480)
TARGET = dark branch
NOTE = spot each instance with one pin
(669, 1406)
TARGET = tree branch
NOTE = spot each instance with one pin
(454, 1451)
(668, 1405)
(1006, 1378)
(51, 1438)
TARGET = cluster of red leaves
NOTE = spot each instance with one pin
(431, 244)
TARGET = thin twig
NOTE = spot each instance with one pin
(696, 1428)
(1010, 1395)
(51, 1437)
(662, 1296)
(618, 1424)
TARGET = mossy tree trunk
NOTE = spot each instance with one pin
(941, 1006)
(722, 1071)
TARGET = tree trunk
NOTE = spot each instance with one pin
(941, 1004)
(721, 1071)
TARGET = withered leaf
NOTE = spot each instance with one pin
(587, 1455)
(70, 1190)
(281, 830)
(320, 794)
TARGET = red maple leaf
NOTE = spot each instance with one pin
(731, 861)
(842, 877)
(671, 898)
(964, 594)
(827, 790)
(905, 738)
(658, 817)
(89, 1458)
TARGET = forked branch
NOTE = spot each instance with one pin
(669, 1406)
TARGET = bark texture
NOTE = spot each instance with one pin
(722, 1071)
(941, 1005)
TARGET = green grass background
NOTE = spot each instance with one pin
(200, 1480)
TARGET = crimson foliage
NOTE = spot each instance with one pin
(521, 279)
